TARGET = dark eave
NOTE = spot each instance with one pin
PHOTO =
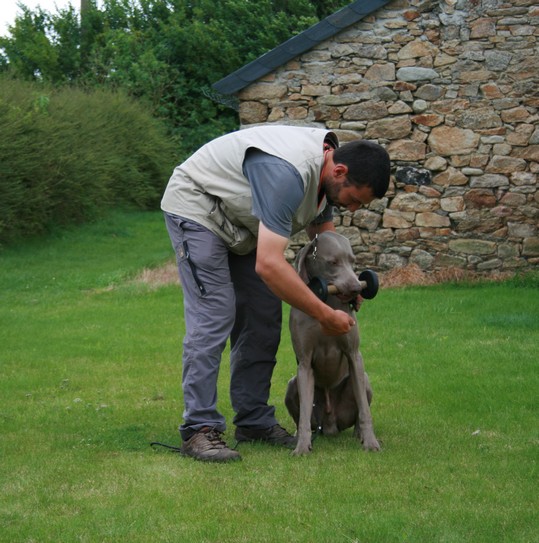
(297, 45)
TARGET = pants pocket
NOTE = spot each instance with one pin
(187, 256)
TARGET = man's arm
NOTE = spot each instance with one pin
(284, 282)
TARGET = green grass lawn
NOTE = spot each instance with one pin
(90, 375)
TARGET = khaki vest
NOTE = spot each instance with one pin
(210, 188)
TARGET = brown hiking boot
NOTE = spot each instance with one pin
(207, 445)
(275, 435)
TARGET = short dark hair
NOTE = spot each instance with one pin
(368, 164)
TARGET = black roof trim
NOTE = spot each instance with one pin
(297, 45)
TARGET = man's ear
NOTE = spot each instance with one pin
(340, 170)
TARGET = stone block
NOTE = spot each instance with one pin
(472, 246)
(263, 91)
(447, 141)
(396, 219)
(515, 115)
(492, 264)
(366, 111)
(497, 61)
(416, 49)
(430, 192)
(450, 106)
(479, 198)
(436, 163)
(489, 180)
(366, 219)
(338, 99)
(452, 204)
(491, 91)
(530, 247)
(502, 211)
(365, 260)
(381, 72)
(528, 153)
(444, 60)
(391, 128)
(316, 90)
(399, 108)
(429, 92)
(522, 135)
(428, 119)
(421, 258)
(391, 261)
(413, 176)
(407, 150)
(521, 230)
(414, 203)
(449, 261)
(405, 235)
(432, 220)
(520, 179)
(450, 177)
(513, 199)
(429, 232)
(508, 250)
(413, 73)
(253, 112)
(382, 236)
(483, 28)
(479, 118)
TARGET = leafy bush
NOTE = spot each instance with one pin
(68, 155)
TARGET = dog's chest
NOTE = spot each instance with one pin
(330, 363)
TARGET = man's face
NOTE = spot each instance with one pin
(341, 193)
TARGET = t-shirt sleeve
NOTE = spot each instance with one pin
(277, 190)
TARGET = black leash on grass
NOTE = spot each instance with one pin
(164, 445)
(178, 449)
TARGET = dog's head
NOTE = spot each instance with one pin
(330, 257)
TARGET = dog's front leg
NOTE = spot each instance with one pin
(363, 429)
(306, 397)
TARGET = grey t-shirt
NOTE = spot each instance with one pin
(277, 190)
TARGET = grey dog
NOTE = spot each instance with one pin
(331, 391)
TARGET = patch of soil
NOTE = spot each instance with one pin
(411, 275)
(157, 277)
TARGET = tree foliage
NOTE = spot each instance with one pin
(164, 52)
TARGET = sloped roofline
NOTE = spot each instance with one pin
(297, 45)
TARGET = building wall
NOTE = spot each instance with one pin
(451, 89)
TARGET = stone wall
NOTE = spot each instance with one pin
(451, 89)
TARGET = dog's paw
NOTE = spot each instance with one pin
(302, 450)
(370, 443)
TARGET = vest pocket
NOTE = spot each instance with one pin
(238, 238)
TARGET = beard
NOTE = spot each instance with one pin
(331, 190)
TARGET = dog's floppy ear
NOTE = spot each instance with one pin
(299, 263)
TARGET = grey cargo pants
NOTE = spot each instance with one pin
(224, 297)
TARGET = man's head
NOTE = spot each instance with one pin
(355, 174)
(368, 164)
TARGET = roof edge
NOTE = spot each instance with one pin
(306, 40)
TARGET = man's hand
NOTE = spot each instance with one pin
(340, 323)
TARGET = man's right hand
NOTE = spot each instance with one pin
(337, 324)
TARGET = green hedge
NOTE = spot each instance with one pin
(67, 155)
